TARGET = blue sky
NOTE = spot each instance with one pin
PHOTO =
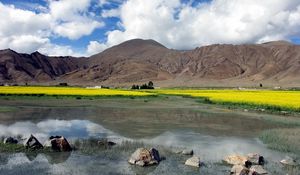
(86, 27)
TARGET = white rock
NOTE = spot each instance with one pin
(187, 152)
(258, 169)
(193, 161)
(289, 161)
(239, 170)
(235, 159)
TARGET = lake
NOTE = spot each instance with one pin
(169, 124)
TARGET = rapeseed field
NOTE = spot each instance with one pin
(281, 99)
(67, 91)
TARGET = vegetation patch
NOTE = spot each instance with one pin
(67, 91)
(286, 140)
(272, 100)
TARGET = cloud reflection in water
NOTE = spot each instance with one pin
(70, 129)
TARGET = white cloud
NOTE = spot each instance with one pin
(75, 29)
(28, 31)
(16, 21)
(95, 47)
(25, 43)
(67, 10)
(173, 23)
(58, 50)
(181, 26)
(73, 20)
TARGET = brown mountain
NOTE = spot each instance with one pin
(34, 68)
(138, 61)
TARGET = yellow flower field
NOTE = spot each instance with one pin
(11, 90)
(284, 99)
(281, 99)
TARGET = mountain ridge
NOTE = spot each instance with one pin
(136, 61)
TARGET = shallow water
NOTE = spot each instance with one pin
(211, 133)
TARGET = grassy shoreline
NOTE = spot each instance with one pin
(285, 140)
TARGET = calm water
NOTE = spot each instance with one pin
(210, 133)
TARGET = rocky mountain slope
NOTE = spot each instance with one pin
(138, 61)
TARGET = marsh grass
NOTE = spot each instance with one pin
(286, 140)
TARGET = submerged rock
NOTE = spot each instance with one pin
(235, 159)
(187, 152)
(59, 143)
(256, 159)
(239, 170)
(193, 161)
(10, 140)
(144, 157)
(258, 170)
(33, 143)
(289, 161)
(106, 143)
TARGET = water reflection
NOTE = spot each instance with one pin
(71, 129)
(113, 161)
(210, 135)
(212, 148)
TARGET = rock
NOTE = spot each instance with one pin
(193, 161)
(248, 164)
(239, 170)
(258, 170)
(187, 152)
(59, 143)
(10, 140)
(33, 143)
(144, 157)
(256, 159)
(235, 159)
(155, 155)
(289, 161)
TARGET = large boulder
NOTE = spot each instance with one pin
(235, 159)
(10, 140)
(256, 159)
(288, 161)
(144, 157)
(239, 170)
(193, 161)
(33, 143)
(59, 143)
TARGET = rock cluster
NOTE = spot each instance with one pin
(10, 140)
(252, 164)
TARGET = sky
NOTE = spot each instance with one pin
(87, 27)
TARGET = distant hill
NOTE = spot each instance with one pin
(139, 61)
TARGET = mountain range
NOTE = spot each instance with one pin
(139, 61)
